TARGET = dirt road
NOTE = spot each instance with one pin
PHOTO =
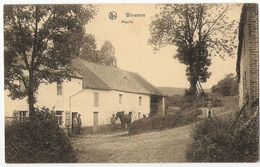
(159, 146)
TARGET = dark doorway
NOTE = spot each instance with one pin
(154, 105)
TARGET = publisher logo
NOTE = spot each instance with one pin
(112, 15)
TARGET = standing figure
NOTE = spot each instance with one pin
(113, 122)
(74, 125)
(139, 115)
(79, 123)
(129, 121)
(209, 108)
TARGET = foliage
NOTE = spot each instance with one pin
(107, 54)
(179, 118)
(88, 50)
(215, 141)
(40, 41)
(227, 86)
(189, 96)
(199, 31)
(175, 100)
(104, 56)
(39, 140)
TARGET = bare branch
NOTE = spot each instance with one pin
(215, 21)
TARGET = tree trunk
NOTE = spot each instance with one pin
(193, 87)
(193, 80)
(30, 93)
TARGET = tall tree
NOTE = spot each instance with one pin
(89, 49)
(107, 54)
(39, 43)
(104, 56)
(199, 31)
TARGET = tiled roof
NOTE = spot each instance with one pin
(98, 76)
(90, 80)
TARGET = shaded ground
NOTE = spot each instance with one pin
(158, 146)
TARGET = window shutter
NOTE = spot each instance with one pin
(120, 98)
(140, 100)
(96, 99)
(59, 88)
(67, 118)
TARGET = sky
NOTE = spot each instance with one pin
(133, 53)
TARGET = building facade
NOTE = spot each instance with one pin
(248, 55)
(96, 93)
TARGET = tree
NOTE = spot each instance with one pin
(89, 49)
(199, 31)
(40, 41)
(227, 86)
(104, 56)
(107, 54)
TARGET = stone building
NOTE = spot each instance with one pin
(248, 56)
(96, 92)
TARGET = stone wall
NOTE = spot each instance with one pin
(252, 15)
(249, 68)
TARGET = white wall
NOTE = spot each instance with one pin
(12, 105)
(83, 103)
(47, 96)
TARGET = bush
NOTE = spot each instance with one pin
(146, 124)
(227, 86)
(214, 141)
(215, 101)
(180, 118)
(175, 100)
(38, 140)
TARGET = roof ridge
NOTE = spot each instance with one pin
(105, 66)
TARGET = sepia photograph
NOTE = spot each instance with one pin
(131, 83)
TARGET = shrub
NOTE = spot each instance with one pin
(215, 100)
(215, 141)
(37, 140)
(180, 118)
(227, 86)
(175, 100)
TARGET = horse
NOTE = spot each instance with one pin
(124, 118)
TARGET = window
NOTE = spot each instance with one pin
(22, 116)
(59, 88)
(58, 115)
(140, 100)
(120, 98)
(96, 99)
